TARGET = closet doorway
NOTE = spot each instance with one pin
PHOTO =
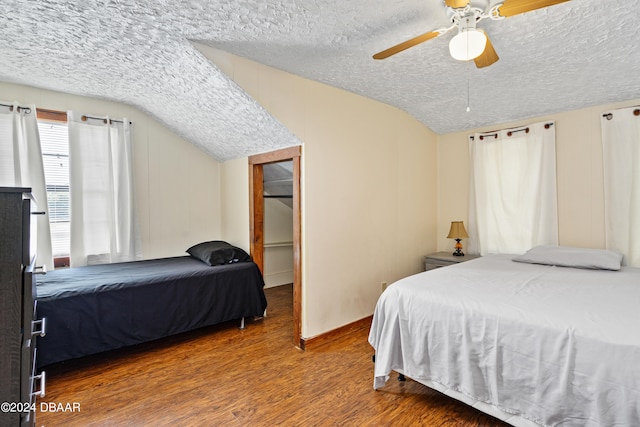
(289, 158)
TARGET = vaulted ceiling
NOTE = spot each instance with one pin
(568, 56)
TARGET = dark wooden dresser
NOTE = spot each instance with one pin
(19, 384)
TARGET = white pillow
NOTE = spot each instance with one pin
(564, 256)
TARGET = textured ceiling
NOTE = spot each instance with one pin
(568, 56)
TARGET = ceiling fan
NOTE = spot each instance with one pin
(471, 42)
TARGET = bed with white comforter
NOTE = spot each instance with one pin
(531, 344)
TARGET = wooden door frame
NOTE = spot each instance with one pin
(256, 223)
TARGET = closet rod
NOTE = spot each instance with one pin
(285, 180)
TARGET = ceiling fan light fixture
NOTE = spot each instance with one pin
(467, 44)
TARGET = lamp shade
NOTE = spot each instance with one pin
(457, 231)
(467, 44)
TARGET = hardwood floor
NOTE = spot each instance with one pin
(254, 377)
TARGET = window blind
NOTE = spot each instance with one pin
(54, 140)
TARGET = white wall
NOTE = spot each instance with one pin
(234, 195)
(369, 180)
(579, 176)
(278, 243)
(177, 185)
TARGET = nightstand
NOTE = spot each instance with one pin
(442, 259)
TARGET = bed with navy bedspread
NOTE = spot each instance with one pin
(102, 307)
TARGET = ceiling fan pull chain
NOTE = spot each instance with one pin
(468, 86)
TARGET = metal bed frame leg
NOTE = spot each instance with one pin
(401, 377)
(242, 323)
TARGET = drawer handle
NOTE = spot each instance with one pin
(40, 269)
(41, 377)
(38, 213)
(42, 323)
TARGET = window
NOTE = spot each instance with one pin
(621, 157)
(102, 189)
(54, 141)
(512, 197)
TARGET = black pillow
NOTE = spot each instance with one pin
(218, 252)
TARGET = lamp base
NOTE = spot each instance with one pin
(458, 246)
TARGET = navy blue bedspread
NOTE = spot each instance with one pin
(102, 307)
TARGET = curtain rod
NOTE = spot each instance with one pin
(26, 109)
(609, 116)
(509, 133)
(104, 119)
(84, 117)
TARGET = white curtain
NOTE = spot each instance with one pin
(21, 166)
(103, 223)
(621, 158)
(512, 195)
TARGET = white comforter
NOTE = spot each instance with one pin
(558, 346)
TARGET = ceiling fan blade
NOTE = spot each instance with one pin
(406, 45)
(516, 7)
(456, 3)
(488, 56)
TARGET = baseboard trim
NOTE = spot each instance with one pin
(309, 343)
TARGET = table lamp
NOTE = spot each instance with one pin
(458, 233)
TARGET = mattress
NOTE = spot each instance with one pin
(532, 344)
(102, 307)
